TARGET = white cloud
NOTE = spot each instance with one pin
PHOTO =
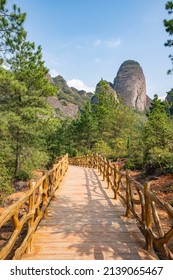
(108, 43)
(162, 97)
(78, 84)
(53, 72)
(97, 43)
(113, 43)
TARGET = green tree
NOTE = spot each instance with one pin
(24, 108)
(157, 104)
(24, 92)
(127, 134)
(158, 137)
(104, 109)
(11, 28)
(86, 128)
(168, 23)
(63, 139)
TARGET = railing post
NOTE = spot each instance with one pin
(86, 164)
(92, 161)
(45, 193)
(148, 218)
(55, 179)
(96, 161)
(116, 184)
(128, 213)
(108, 174)
(104, 168)
(100, 165)
(67, 162)
(31, 210)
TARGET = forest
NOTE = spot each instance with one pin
(31, 137)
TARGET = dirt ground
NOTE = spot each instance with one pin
(162, 185)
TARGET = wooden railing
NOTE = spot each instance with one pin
(21, 219)
(154, 216)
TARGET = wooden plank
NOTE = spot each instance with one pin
(85, 222)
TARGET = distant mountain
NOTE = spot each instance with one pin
(69, 100)
(130, 84)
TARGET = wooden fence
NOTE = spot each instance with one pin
(21, 219)
(154, 216)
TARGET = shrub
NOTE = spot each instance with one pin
(160, 160)
(134, 163)
(23, 175)
(102, 147)
(64, 103)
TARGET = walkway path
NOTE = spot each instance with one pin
(85, 222)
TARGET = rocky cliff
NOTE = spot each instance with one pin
(169, 96)
(69, 100)
(131, 86)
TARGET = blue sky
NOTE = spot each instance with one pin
(86, 40)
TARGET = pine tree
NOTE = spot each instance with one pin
(11, 28)
(23, 93)
(157, 104)
(157, 137)
(169, 29)
(86, 128)
(23, 98)
(104, 109)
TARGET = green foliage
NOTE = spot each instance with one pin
(157, 104)
(60, 138)
(105, 108)
(25, 114)
(23, 175)
(31, 159)
(101, 147)
(169, 103)
(158, 138)
(160, 159)
(64, 103)
(109, 128)
(11, 28)
(5, 184)
(85, 127)
(134, 163)
(168, 23)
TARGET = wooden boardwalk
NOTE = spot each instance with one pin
(84, 222)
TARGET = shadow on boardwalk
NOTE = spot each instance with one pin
(85, 222)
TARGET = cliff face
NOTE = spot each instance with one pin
(131, 86)
(169, 96)
(69, 100)
(63, 108)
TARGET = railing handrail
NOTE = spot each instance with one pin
(35, 202)
(148, 218)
